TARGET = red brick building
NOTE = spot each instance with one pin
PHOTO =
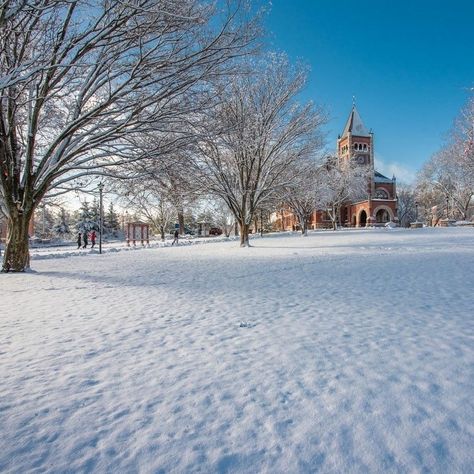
(355, 143)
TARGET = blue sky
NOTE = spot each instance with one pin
(410, 65)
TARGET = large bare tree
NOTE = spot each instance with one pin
(81, 86)
(462, 140)
(301, 194)
(254, 137)
(446, 181)
(409, 204)
(338, 183)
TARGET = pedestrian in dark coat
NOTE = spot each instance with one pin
(93, 236)
(79, 240)
(84, 238)
(176, 237)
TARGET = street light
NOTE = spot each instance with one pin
(447, 206)
(101, 187)
(416, 211)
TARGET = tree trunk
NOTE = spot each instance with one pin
(181, 221)
(162, 232)
(244, 235)
(17, 255)
(304, 230)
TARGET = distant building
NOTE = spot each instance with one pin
(4, 228)
(356, 143)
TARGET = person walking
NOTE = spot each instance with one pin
(93, 236)
(176, 237)
(79, 240)
(84, 237)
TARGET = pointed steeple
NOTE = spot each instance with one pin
(355, 125)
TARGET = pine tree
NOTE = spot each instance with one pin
(85, 222)
(61, 227)
(111, 222)
(95, 214)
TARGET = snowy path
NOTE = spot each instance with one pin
(339, 352)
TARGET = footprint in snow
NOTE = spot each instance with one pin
(246, 324)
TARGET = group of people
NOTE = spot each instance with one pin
(83, 239)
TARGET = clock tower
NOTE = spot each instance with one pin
(378, 207)
(356, 145)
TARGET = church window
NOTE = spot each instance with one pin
(381, 194)
(365, 147)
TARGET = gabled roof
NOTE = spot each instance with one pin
(380, 178)
(355, 125)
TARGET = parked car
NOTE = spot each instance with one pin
(187, 231)
(215, 231)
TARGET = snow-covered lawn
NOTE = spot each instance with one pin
(340, 352)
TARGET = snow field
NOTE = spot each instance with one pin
(339, 352)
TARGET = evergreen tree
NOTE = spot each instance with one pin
(85, 222)
(111, 222)
(95, 214)
(61, 227)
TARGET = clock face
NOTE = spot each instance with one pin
(361, 159)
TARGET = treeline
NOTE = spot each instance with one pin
(444, 188)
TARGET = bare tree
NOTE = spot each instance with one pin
(223, 217)
(462, 140)
(445, 178)
(407, 202)
(446, 181)
(152, 205)
(169, 180)
(300, 194)
(81, 87)
(254, 136)
(339, 183)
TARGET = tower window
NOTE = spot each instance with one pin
(365, 147)
(381, 194)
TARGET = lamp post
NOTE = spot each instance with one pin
(416, 211)
(101, 188)
(447, 206)
(44, 220)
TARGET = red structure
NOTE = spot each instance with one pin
(137, 231)
(356, 143)
(380, 207)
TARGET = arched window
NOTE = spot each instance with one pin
(365, 146)
(381, 194)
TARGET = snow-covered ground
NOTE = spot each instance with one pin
(340, 352)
